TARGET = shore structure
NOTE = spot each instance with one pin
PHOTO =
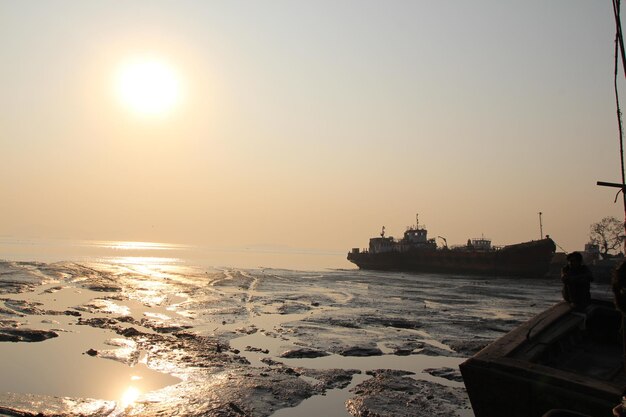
(416, 252)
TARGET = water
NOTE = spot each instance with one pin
(175, 338)
(256, 256)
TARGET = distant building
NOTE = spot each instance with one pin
(591, 254)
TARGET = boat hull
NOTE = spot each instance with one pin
(556, 360)
(523, 259)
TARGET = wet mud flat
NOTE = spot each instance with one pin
(154, 338)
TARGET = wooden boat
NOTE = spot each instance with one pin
(558, 359)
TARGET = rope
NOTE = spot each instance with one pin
(618, 27)
(619, 44)
(559, 246)
(619, 110)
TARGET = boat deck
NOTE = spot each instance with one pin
(586, 343)
(559, 359)
(590, 359)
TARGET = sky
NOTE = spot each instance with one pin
(309, 124)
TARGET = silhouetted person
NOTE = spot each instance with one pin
(618, 285)
(576, 279)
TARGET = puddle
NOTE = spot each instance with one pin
(333, 403)
(60, 366)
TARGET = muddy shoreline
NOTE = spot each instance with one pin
(231, 342)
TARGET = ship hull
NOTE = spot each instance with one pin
(530, 259)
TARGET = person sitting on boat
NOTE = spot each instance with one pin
(618, 284)
(576, 278)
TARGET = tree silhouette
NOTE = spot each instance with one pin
(608, 233)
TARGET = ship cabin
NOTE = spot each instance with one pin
(415, 235)
(481, 244)
(382, 244)
(416, 238)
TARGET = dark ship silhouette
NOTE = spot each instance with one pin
(416, 252)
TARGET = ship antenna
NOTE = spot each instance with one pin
(540, 226)
(417, 221)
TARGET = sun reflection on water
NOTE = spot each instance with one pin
(130, 245)
(145, 261)
(129, 397)
(141, 254)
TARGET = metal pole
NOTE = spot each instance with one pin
(619, 45)
(540, 226)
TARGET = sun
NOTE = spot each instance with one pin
(148, 86)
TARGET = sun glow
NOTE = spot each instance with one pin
(148, 86)
(129, 397)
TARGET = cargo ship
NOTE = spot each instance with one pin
(419, 253)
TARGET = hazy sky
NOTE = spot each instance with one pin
(309, 124)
